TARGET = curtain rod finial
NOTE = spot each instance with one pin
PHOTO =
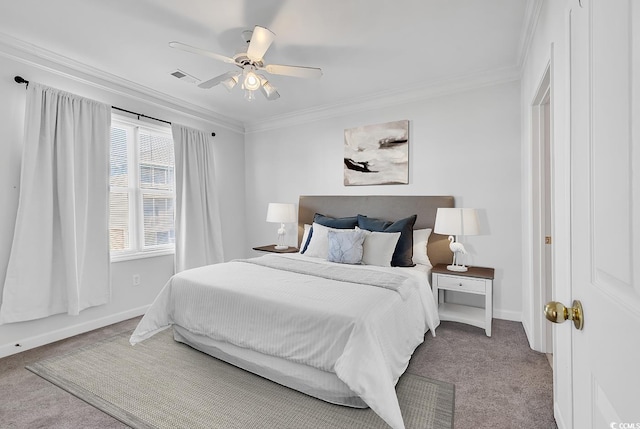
(20, 79)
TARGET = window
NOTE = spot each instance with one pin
(141, 219)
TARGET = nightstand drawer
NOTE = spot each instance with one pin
(465, 284)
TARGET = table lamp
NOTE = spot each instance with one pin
(281, 213)
(454, 222)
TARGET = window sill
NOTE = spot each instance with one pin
(141, 255)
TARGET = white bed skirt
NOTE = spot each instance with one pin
(303, 378)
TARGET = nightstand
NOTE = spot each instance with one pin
(478, 281)
(272, 248)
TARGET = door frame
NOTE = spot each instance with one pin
(559, 69)
(539, 201)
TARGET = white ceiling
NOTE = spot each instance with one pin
(365, 48)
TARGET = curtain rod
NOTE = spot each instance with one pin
(20, 79)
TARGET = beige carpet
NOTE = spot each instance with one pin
(163, 384)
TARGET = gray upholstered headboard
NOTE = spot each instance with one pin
(390, 207)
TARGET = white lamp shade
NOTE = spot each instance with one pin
(457, 221)
(281, 213)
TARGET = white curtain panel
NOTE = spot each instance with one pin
(59, 259)
(198, 230)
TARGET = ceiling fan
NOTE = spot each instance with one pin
(250, 59)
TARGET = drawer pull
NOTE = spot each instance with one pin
(460, 284)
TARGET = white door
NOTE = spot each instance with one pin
(605, 212)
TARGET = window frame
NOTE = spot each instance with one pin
(136, 193)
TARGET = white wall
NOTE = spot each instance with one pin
(127, 301)
(465, 144)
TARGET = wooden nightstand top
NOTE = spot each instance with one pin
(272, 248)
(481, 272)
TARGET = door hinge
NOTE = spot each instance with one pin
(547, 239)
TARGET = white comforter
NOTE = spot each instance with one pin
(364, 334)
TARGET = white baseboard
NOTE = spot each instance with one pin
(529, 335)
(514, 316)
(558, 416)
(69, 331)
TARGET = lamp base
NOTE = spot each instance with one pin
(279, 247)
(458, 268)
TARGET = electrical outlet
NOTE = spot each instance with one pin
(136, 280)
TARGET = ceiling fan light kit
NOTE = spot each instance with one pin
(251, 81)
(268, 90)
(249, 95)
(250, 60)
(230, 82)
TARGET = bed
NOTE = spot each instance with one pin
(341, 332)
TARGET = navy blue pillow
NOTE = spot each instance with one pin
(336, 222)
(331, 222)
(403, 255)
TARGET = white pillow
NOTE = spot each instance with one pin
(420, 239)
(305, 236)
(319, 244)
(378, 247)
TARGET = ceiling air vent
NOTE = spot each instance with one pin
(184, 76)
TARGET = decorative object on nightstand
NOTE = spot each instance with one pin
(271, 248)
(476, 280)
(281, 213)
(454, 222)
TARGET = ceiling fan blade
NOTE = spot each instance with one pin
(261, 39)
(194, 50)
(216, 80)
(295, 71)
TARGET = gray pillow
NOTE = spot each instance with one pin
(345, 247)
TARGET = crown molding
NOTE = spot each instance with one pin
(44, 59)
(531, 16)
(390, 98)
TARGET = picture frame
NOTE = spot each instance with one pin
(377, 154)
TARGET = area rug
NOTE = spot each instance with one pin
(161, 383)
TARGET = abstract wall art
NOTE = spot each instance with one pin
(377, 154)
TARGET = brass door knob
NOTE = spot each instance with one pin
(558, 313)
